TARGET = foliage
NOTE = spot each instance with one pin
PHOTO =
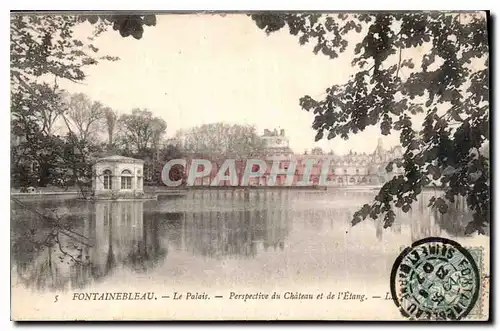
(42, 45)
(220, 139)
(126, 25)
(317, 151)
(35, 151)
(141, 130)
(408, 65)
(84, 117)
(43, 49)
(111, 118)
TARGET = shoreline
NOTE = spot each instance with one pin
(181, 191)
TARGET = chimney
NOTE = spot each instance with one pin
(282, 132)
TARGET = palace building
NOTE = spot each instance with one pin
(350, 169)
(337, 170)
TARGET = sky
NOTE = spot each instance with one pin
(196, 69)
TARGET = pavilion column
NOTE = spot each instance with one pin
(134, 183)
(116, 182)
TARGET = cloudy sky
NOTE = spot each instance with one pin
(196, 69)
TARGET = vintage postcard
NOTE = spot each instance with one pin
(250, 166)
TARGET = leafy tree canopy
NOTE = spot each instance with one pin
(141, 129)
(126, 25)
(221, 139)
(446, 82)
(43, 49)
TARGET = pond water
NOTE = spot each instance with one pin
(215, 238)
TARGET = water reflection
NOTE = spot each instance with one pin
(233, 224)
(103, 237)
(123, 237)
(92, 241)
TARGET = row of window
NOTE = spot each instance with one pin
(353, 180)
(126, 180)
(332, 171)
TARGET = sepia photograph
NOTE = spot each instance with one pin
(258, 165)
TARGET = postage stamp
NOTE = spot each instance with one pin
(435, 279)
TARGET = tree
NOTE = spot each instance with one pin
(219, 139)
(46, 46)
(84, 116)
(445, 80)
(44, 49)
(126, 25)
(35, 160)
(317, 151)
(35, 151)
(111, 118)
(154, 160)
(141, 130)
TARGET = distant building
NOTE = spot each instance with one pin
(118, 177)
(350, 169)
(342, 170)
(276, 145)
(353, 168)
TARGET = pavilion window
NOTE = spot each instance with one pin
(108, 184)
(126, 180)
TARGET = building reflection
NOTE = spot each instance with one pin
(423, 221)
(112, 235)
(239, 223)
(96, 239)
(419, 222)
(124, 237)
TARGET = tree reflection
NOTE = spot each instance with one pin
(91, 241)
(455, 220)
(147, 252)
(67, 252)
(241, 224)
